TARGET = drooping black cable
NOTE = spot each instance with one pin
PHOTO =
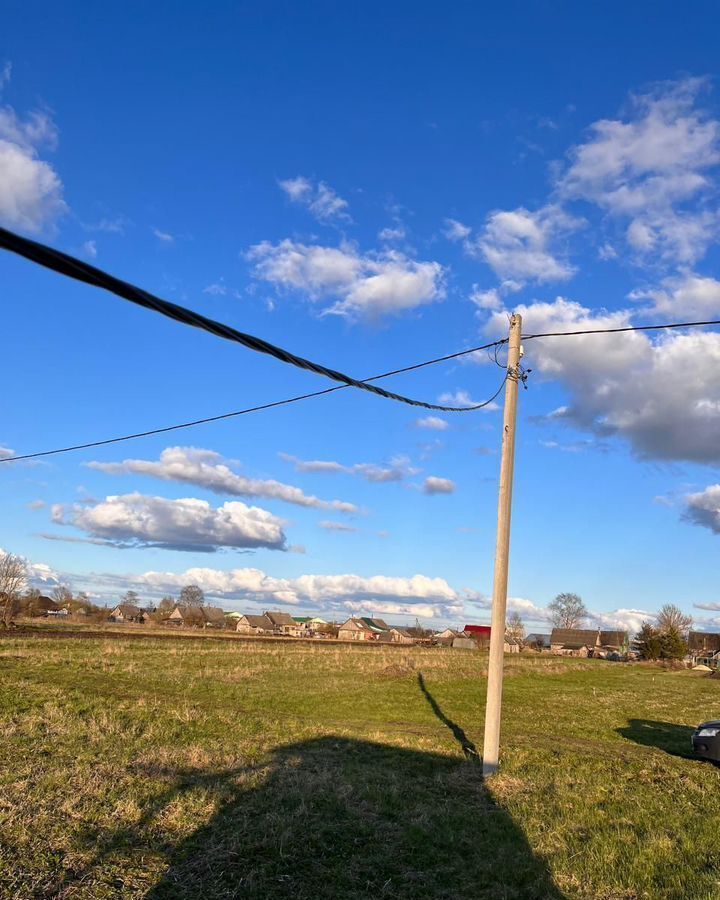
(82, 271)
(251, 409)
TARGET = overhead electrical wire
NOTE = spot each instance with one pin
(75, 268)
(81, 271)
(544, 334)
(259, 408)
(241, 412)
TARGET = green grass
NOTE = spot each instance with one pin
(168, 768)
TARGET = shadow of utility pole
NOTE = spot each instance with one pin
(468, 748)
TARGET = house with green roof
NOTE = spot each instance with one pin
(362, 628)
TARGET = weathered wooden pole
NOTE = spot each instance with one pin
(491, 746)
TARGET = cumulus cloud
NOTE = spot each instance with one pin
(661, 394)
(417, 595)
(486, 299)
(358, 285)
(477, 601)
(456, 231)
(135, 520)
(435, 485)
(521, 245)
(687, 295)
(31, 193)
(629, 620)
(320, 199)
(703, 508)
(397, 469)
(240, 584)
(208, 469)
(650, 168)
(433, 423)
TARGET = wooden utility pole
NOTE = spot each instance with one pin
(491, 747)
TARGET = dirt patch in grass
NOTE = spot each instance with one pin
(398, 670)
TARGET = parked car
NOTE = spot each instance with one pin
(706, 740)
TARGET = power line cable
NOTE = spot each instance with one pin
(529, 337)
(75, 268)
(259, 408)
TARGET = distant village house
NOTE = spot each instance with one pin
(587, 642)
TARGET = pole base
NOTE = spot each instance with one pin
(489, 768)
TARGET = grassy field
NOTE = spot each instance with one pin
(168, 768)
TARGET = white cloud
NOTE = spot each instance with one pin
(661, 394)
(329, 525)
(521, 245)
(686, 295)
(416, 595)
(163, 236)
(435, 485)
(39, 575)
(363, 285)
(462, 397)
(320, 199)
(392, 234)
(246, 584)
(216, 289)
(652, 169)
(397, 469)
(30, 189)
(489, 299)
(703, 508)
(6, 452)
(434, 423)
(110, 226)
(207, 469)
(414, 610)
(456, 231)
(186, 524)
(90, 249)
(629, 620)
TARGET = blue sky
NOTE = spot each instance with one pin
(370, 188)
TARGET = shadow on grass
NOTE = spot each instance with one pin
(673, 739)
(340, 818)
(468, 748)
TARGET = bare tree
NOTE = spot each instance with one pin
(131, 597)
(166, 604)
(672, 619)
(516, 628)
(13, 575)
(62, 595)
(192, 595)
(567, 611)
